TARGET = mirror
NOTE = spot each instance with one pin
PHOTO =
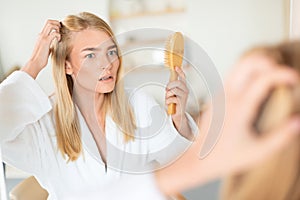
(223, 29)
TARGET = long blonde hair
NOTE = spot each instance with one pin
(66, 119)
(279, 177)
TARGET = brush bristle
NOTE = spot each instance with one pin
(174, 50)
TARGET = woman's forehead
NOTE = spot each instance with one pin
(91, 38)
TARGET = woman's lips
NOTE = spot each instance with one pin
(106, 78)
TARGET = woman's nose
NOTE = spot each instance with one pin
(106, 63)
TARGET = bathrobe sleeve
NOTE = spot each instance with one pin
(22, 105)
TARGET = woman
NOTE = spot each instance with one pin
(29, 140)
(88, 134)
(278, 177)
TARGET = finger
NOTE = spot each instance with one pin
(172, 99)
(51, 25)
(261, 88)
(169, 94)
(176, 92)
(53, 22)
(54, 39)
(181, 74)
(52, 29)
(177, 84)
(49, 30)
(249, 69)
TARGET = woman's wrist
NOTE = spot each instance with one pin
(181, 124)
(31, 69)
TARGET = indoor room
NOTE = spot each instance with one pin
(216, 34)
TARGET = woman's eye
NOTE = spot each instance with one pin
(90, 55)
(112, 52)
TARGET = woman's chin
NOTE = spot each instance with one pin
(105, 90)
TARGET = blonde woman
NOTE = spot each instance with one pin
(89, 133)
(63, 140)
(278, 177)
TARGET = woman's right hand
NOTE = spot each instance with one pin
(41, 52)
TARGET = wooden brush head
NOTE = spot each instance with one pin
(173, 58)
(281, 104)
(174, 50)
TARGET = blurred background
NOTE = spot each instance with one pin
(223, 29)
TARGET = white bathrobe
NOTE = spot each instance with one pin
(28, 142)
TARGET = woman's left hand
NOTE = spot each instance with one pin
(177, 92)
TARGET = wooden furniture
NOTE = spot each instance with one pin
(28, 189)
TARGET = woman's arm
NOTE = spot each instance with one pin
(22, 100)
(177, 92)
(41, 52)
(22, 106)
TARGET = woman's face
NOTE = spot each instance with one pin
(93, 62)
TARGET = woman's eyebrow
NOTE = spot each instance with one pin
(91, 49)
(112, 46)
(98, 48)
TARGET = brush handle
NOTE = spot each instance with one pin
(172, 106)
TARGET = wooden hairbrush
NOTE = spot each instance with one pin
(281, 104)
(173, 58)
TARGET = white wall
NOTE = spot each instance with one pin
(295, 19)
(21, 21)
(227, 28)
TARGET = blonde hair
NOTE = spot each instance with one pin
(279, 177)
(66, 119)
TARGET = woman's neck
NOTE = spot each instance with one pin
(91, 106)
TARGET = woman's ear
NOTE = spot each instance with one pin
(69, 68)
